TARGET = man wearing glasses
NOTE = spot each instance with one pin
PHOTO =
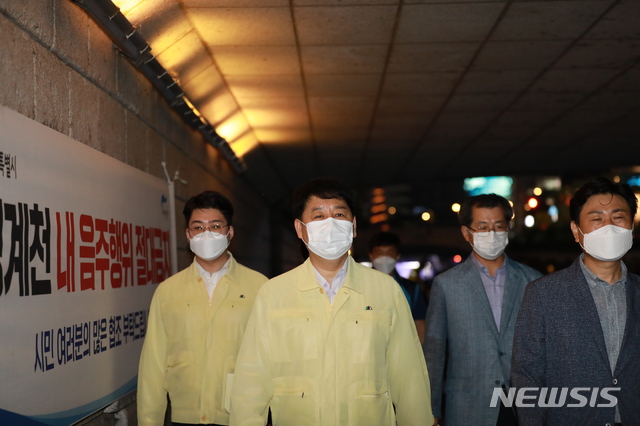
(471, 319)
(196, 323)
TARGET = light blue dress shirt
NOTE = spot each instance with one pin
(331, 289)
(494, 286)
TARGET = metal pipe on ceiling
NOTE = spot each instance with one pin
(124, 35)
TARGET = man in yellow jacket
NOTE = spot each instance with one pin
(196, 323)
(331, 342)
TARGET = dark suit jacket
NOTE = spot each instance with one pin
(559, 342)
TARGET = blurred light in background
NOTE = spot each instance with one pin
(405, 268)
(378, 208)
(529, 221)
(550, 183)
(500, 185)
(427, 272)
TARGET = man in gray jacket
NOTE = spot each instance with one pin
(578, 333)
(471, 319)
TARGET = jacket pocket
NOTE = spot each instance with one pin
(234, 320)
(295, 401)
(370, 404)
(367, 335)
(293, 335)
(176, 370)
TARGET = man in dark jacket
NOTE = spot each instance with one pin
(578, 332)
(384, 252)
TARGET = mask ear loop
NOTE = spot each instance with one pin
(226, 237)
(583, 237)
(302, 239)
(470, 233)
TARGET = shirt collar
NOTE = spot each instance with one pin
(483, 269)
(339, 276)
(206, 275)
(593, 279)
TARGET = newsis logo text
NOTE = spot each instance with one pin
(555, 397)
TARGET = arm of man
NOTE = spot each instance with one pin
(529, 351)
(252, 387)
(409, 380)
(152, 396)
(435, 345)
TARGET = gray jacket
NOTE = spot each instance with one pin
(479, 355)
(559, 343)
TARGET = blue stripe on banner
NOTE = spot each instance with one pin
(67, 417)
(13, 419)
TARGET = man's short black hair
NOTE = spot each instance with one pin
(384, 239)
(324, 188)
(465, 217)
(597, 187)
(209, 200)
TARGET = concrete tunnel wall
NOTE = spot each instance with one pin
(58, 68)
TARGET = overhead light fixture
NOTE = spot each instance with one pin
(126, 38)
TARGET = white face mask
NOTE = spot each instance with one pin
(209, 245)
(490, 245)
(329, 238)
(608, 243)
(384, 264)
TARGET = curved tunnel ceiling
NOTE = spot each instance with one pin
(393, 92)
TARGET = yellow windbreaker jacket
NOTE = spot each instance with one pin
(345, 364)
(192, 343)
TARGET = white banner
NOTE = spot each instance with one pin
(84, 241)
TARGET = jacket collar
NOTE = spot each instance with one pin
(307, 277)
(230, 275)
(628, 355)
(588, 311)
(352, 280)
